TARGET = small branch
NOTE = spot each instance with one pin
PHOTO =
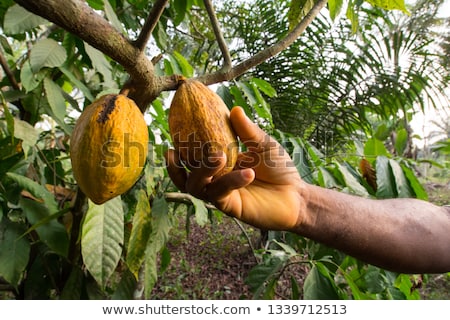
(219, 36)
(239, 224)
(8, 71)
(185, 198)
(267, 53)
(150, 24)
(78, 18)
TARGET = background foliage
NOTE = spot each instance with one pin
(339, 99)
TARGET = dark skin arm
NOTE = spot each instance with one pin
(266, 191)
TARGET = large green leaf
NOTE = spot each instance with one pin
(186, 69)
(55, 99)
(401, 141)
(101, 64)
(161, 226)
(385, 181)
(201, 212)
(14, 251)
(18, 20)
(102, 238)
(140, 233)
(318, 287)
(73, 288)
(112, 17)
(415, 184)
(25, 132)
(262, 274)
(37, 190)
(374, 147)
(52, 233)
(80, 85)
(29, 79)
(350, 181)
(401, 183)
(47, 53)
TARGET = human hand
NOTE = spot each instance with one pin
(264, 189)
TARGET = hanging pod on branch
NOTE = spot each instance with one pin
(199, 124)
(108, 147)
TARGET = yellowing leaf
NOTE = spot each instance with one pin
(390, 5)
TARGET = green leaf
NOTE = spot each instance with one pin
(9, 118)
(112, 17)
(382, 132)
(374, 279)
(415, 184)
(102, 238)
(77, 83)
(18, 20)
(101, 64)
(351, 182)
(265, 87)
(25, 132)
(326, 179)
(52, 234)
(47, 53)
(161, 226)
(37, 190)
(352, 15)
(55, 99)
(73, 288)
(239, 99)
(262, 274)
(14, 251)
(201, 212)
(295, 289)
(297, 10)
(374, 147)
(390, 5)
(300, 160)
(318, 287)
(126, 287)
(385, 180)
(140, 233)
(334, 7)
(180, 8)
(261, 106)
(29, 79)
(186, 69)
(5, 45)
(401, 183)
(401, 141)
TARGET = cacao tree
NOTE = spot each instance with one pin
(57, 57)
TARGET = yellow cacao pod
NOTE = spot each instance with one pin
(199, 124)
(108, 147)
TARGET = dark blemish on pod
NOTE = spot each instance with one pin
(107, 108)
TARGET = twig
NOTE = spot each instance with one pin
(267, 53)
(248, 238)
(219, 36)
(150, 24)
(8, 71)
(185, 198)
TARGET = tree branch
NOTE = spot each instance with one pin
(78, 18)
(219, 36)
(264, 55)
(150, 24)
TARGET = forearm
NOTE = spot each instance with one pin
(404, 235)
